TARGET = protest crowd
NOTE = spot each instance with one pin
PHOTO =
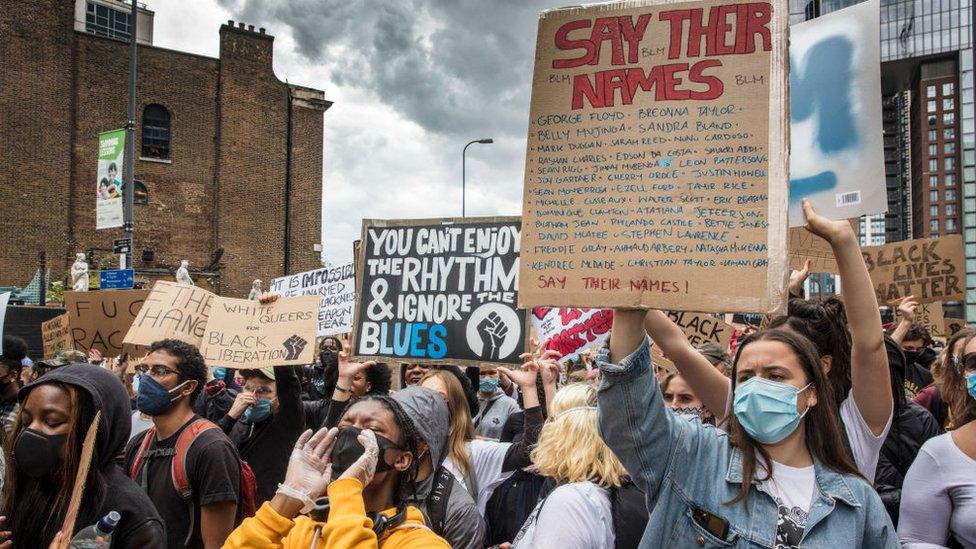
(855, 437)
(491, 391)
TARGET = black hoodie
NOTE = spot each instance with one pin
(141, 525)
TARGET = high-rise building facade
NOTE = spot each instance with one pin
(928, 120)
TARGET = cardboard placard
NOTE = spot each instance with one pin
(100, 319)
(245, 334)
(837, 159)
(78, 490)
(953, 325)
(657, 160)
(56, 335)
(701, 328)
(931, 316)
(805, 245)
(931, 269)
(440, 291)
(569, 330)
(335, 286)
(172, 310)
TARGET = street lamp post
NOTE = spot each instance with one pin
(128, 190)
(485, 141)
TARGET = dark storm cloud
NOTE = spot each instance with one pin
(453, 67)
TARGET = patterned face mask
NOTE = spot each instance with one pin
(689, 411)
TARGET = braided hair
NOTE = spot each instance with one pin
(410, 440)
(824, 322)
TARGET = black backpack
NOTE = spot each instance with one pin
(629, 509)
(512, 502)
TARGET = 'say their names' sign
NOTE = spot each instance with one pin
(657, 157)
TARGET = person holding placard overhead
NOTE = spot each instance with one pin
(848, 339)
(781, 477)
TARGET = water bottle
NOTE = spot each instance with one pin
(98, 535)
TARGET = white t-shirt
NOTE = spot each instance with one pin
(573, 516)
(487, 458)
(792, 488)
(864, 445)
(939, 496)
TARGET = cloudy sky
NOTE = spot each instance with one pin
(412, 82)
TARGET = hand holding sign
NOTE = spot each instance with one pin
(907, 308)
(832, 231)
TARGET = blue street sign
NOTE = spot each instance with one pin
(116, 279)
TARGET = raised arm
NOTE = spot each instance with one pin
(633, 420)
(706, 381)
(870, 377)
(906, 314)
(517, 455)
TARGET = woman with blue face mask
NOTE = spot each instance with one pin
(938, 497)
(781, 477)
(264, 421)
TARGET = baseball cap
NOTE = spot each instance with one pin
(63, 358)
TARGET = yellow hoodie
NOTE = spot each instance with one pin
(348, 527)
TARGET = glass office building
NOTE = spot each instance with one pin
(928, 119)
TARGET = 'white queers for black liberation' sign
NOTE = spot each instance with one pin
(440, 290)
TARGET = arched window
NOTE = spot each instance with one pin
(155, 132)
(140, 193)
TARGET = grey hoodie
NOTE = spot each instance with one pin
(463, 526)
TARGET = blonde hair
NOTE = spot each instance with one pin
(461, 427)
(570, 448)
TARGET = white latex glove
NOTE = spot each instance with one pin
(365, 467)
(309, 470)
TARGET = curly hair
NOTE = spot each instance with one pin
(380, 378)
(410, 439)
(823, 322)
(189, 362)
(919, 332)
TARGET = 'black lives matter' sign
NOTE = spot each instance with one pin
(440, 290)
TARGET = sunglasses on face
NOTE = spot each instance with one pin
(967, 363)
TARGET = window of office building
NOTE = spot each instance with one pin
(948, 104)
(933, 196)
(950, 180)
(933, 135)
(950, 163)
(932, 104)
(933, 164)
(933, 149)
(933, 181)
(934, 226)
(951, 224)
(949, 133)
(948, 88)
(933, 211)
(948, 118)
(931, 91)
(105, 21)
(950, 195)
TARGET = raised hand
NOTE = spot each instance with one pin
(797, 278)
(95, 356)
(827, 229)
(241, 403)
(267, 298)
(349, 369)
(907, 308)
(309, 470)
(492, 331)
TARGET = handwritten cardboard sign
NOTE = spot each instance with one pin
(440, 291)
(932, 317)
(56, 335)
(100, 319)
(78, 489)
(245, 334)
(805, 245)
(174, 311)
(702, 328)
(953, 325)
(335, 286)
(657, 158)
(931, 269)
(570, 330)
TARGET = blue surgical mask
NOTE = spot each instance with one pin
(971, 384)
(766, 409)
(220, 373)
(258, 412)
(488, 384)
(154, 399)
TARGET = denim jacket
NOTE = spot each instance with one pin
(683, 466)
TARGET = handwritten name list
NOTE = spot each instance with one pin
(657, 158)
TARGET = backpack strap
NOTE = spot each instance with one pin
(147, 439)
(180, 479)
(440, 493)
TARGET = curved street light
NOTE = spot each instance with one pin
(485, 141)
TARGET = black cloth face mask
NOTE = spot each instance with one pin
(347, 450)
(37, 454)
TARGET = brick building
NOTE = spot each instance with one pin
(228, 157)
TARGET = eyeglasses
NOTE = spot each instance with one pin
(968, 362)
(262, 391)
(161, 371)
